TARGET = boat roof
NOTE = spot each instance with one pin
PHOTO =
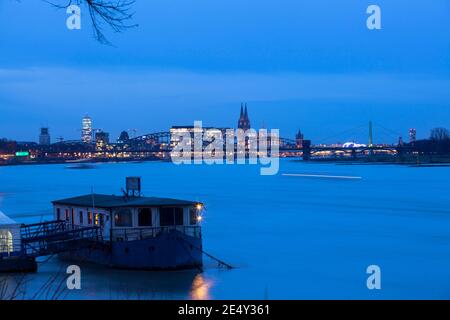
(6, 221)
(113, 201)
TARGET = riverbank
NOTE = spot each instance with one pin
(81, 161)
(411, 160)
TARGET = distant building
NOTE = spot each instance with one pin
(244, 121)
(101, 139)
(177, 133)
(299, 137)
(7, 147)
(123, 138)
(412, 135)
(352, 144)
(86, 130)
(44, 137)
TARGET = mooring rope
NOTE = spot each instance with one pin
(220, 262)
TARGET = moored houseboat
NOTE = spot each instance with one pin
(137, 232)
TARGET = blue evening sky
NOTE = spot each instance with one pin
(299, 64)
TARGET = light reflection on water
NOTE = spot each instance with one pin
(200, 288)
(104, 283)
(292, 237)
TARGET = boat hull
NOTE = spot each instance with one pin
(18, 264)
(170, 251)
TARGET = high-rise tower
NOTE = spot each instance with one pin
(86, 130)
(370, 134)
(412, 135)
(44, 137)
(244, 121)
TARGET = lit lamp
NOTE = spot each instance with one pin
(199, 208)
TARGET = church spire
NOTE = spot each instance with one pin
(244, 121)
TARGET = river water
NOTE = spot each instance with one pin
(307, 236)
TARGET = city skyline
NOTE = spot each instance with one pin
(88, 132)
(342, 77)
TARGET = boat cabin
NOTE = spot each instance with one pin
(128, 218)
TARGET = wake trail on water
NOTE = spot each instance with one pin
(323, 176)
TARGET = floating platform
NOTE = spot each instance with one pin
(128, 232)
(145, 233)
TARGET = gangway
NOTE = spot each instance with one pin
(46, 238)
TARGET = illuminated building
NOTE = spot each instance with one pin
(178, 132)
(412, 135)
(86, 131)
(352, 144)
(101, 140)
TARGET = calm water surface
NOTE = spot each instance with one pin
(288, 237)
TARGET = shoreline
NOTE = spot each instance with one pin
(443, 162)
(79, 162)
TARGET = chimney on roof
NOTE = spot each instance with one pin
(133, 186)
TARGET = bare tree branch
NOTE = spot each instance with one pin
(440, 134)
(116, 14)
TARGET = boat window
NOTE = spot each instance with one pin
(6, 241)
(89, 218)
(81, 217)
(145, 217)
(67, 214)
(123, 217)
(171, 216)
(58, 214)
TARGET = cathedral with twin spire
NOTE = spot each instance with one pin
(244, 121)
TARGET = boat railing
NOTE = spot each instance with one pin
(132, 234)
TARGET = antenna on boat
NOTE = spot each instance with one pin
(93, 200)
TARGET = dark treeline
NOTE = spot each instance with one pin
(8, 146)
(438, 143)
